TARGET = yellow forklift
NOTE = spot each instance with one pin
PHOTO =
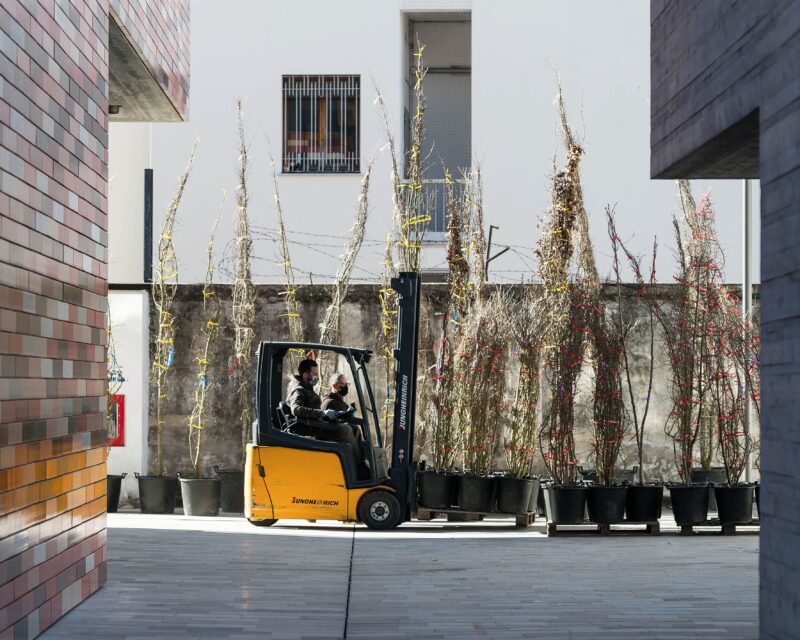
(288, 475)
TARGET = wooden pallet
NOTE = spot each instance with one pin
(752, 528)
(457, 515)
(592, 528)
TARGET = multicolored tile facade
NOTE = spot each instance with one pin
(53, 222)
(159, 29)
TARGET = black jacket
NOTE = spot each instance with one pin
(334, 401)
(303, 400)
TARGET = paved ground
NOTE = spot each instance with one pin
(177, 577)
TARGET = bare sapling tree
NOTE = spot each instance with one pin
(447, 440)
(203, 356)
(527, 328)
(243, 291)
(165, 285)
(387, 337)
(625, 327)
(289, 294)
(330, 329)
(563, 342)
(480, 371)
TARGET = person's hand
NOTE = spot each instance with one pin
(329, 414)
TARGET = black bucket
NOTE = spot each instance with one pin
(231, 498)
(437, 490)
(476, 493)
(513, 494)
(157, 494)
(565, 505)
(201, 496)
(758, 499)
(536, 495)
(734, 504)
(112, 492)
(689, 504)
(714, 475)
(541, 507)
(643, 503)
(606, 504)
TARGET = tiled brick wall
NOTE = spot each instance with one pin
(160, 31)
(53, 221)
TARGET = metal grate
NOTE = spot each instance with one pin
(321, 124)
(434, 194)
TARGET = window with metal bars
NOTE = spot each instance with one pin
(321, 124)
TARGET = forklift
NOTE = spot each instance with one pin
(288, 475)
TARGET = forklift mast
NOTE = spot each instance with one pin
(402, 472)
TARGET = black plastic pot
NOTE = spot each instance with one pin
(112, 492)
(157, 494)
(758, 500)
(201, 496)
(437, 490)
(712, 476)
(734, 504)
(565, 505)
(476, 493)
(536, 495)
(689, 504)
(541, 508)
(643, 503)
(232, 491)
(606, 504)
(513, 494)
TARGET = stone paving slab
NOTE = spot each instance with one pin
(180, 577)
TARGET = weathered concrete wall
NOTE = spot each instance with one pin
(361, 328)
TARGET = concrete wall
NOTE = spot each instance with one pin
(726, 103)
(361, 327)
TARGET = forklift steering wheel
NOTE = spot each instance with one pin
(342, 416)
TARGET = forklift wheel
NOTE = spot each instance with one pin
(263, 523)
(379, 510)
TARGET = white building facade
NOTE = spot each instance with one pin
(307, 70)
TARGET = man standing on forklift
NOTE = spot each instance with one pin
(306, 405)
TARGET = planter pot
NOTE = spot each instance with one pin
(689, 504)
(714, 475)
(157, 494)
(734, 504)
(565, 505)
(513, 494)
(758, 500)
(112, 492)
(541, 508)
(643, 503)
(606, 504)
(536, 495)
(201, 496)
(476, 493)
(232, 491)
(437, 490)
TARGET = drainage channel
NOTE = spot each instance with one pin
(349, 583)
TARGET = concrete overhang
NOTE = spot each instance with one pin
(132, 87)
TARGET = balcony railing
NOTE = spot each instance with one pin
(434, 194)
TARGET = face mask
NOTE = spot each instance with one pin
(312, 380)
(343, 390)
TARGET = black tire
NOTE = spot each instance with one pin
(379, 510)
(263, 523)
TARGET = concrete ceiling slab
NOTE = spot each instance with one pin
(132, 85)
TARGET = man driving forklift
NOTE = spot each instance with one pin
(306, 405)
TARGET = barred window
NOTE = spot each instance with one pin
(321, 124)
